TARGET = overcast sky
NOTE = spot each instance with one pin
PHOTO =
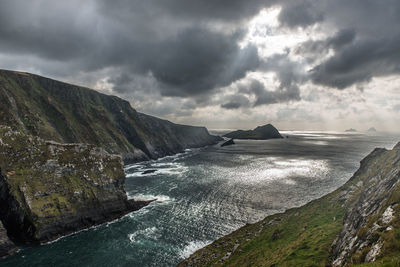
(299, 64)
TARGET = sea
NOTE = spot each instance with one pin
(203, 194)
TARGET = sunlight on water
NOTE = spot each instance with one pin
(203, 194)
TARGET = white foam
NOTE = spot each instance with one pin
(160, 198)
(172, 168)
(192, 247)
(148, 233)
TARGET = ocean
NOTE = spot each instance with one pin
(203, 194)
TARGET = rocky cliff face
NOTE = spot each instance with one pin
(71, 114)
(372, 222)
(49, 189)
(7, 247)
(359, 223)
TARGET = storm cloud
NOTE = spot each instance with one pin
(175, 56)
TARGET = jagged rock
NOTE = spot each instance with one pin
(48, 189)
(149, 171)
(260, 133)
(67, 113)
(380, 171)
(7, 247)
(228, 143)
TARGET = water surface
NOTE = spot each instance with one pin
(206, 193)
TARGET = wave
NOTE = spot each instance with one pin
(148, 233)
(171, 168)
(160, 198)
(192, 247)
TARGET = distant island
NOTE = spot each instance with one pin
(228, 143)
(372, 129)
(351, 130)
(260, 133)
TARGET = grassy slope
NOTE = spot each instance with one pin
(297, 237)
(303, 236)
(67, 113)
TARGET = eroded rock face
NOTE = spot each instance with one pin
(49, 189)
(67, 113)
(7, 247)
(372, 208)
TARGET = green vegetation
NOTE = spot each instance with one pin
(71, 114)
(314, 234)
(298, 237)
(51, 181)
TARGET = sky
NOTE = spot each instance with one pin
(224, 64)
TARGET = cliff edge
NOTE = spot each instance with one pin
(48, 189)
(359, 223)
(68, 113)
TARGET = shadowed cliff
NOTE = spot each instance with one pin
(67, 113)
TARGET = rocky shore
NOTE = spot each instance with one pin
(48, 189)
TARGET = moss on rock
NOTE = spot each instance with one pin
(49, 189)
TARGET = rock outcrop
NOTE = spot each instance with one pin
(373, 210)
(228, 143)
(7, 247)
(260, 133)
(48, 189)
(358, 223)
(67, 113)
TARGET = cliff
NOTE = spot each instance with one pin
(67, 113)
(7, 247)
(359, 223)
(48, 189)
(260, 133)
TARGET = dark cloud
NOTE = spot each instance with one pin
(359, 62)
(300, 13)
(194, 62)
(267, 97)
(366, 47)
(199, 60)
(341, 38)
(220, 10)
(189, 49)
(236, 101)
(312, 50)
(165, 40)
(289, 75)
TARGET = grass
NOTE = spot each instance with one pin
(298, 237)
(304, 236)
